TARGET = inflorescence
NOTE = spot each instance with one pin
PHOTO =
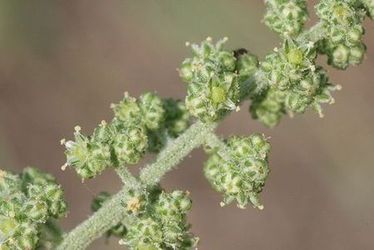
(29, 204)
(286, 81)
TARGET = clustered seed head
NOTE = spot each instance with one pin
(28, 202)
(286, 17)
(369, 6)
(138, 125)
(177, 119)
(343, 43)
(240, 174)
(159, 221)
(213, 85)
(163, 226)
(294, 83)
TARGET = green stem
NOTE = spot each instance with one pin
(175, 151)
(110, 214)
(126, 177)
(113, 212)
(214, 142)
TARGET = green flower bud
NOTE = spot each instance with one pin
(88, 157)
(242, 175)
(246, 65)
(152, 109)
(177, 118)
(369, 6)
(286, 17)
(37, 211)
(27, 203)
(130, 145)
(128, 110)
(213, 85)
(343, 27)
(163, 225)
(293, 83)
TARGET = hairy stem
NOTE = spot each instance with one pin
(126, 177)
(214, 142)
(175, 151)
(110, 214)
(113, 212)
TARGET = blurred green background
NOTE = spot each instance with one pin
(63, 62)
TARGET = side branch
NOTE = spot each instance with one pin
(175, 151)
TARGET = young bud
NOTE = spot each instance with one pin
(151, 106)
(286, 17)
(213, 88)
(242, 176)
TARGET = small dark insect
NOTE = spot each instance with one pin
(239, 52)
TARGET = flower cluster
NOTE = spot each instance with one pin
(239, 171)
(369, 6)
(213, 85)
(342, 21)
(163, 225)
(136, 126)
(28, 204)
(159, 224)
(295, 83)
(286, 17)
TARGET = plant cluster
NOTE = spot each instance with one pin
(142, 214)
(29, 204)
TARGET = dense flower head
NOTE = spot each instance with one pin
(286, 17)
(342, 21)
(294, 83)
(28, 202)
(240, 172)
(246, 64)
(157, 219)
(152, 109)
(369, 6)
(177, 120)
(213, 85)
(164, 224)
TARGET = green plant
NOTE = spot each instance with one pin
(141, 214)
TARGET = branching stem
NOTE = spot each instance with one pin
(113, 212)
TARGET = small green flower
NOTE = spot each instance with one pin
(286, 17)
(242, 175)
(294, 83)
(343, 27)
(163, 225)
(27, 202)
(213, 84)
(152, 109)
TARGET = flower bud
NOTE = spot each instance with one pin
(241, 176)
(286, 17)
(152, 109)
(213, 88)
(177, 118)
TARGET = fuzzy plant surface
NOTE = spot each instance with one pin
(144, 216)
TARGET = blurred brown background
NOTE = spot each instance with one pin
(63, 62)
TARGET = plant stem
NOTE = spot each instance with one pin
(214, 142)
(110, 214)
(113, 212)
(175, 151)
(126, 177)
